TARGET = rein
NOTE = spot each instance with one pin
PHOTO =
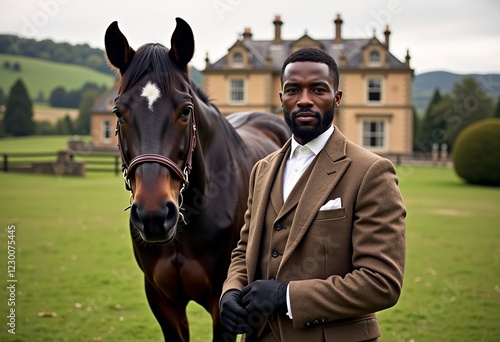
(182, 174)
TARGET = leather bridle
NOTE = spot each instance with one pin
(182, 174)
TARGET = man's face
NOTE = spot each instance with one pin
(308, 99)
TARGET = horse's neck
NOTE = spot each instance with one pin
(217, 143)
(213, 128)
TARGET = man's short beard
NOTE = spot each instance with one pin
(308, 133)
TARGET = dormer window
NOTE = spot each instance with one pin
(374, 58)
(237, 59)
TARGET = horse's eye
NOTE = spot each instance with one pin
(118, 114)
(186, 111)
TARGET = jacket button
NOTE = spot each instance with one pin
(308, 324)
(275, 254)
(315, 322)
(323, 320)
(272, 317)
(278, 227)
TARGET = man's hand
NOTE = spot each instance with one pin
(233, 316)
(265, 296)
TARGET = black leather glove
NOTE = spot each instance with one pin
(265, 296)
(233, 317)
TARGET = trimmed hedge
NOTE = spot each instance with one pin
(476, 152)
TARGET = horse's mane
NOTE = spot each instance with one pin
(153, 59)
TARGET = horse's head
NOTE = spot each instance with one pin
(155, 113)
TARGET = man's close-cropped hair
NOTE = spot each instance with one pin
(313, 55)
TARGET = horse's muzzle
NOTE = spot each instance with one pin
(155, 226)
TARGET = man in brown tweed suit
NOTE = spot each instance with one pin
(323, 245)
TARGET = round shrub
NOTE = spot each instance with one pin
(476, 152)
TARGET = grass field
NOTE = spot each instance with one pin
(34, 144)
(43, 76)
(75, 264)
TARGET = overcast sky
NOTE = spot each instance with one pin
(460, 36)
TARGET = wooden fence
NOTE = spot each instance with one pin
(94, 161)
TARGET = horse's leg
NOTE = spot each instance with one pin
(171, 317)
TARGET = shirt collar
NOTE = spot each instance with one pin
(315, 145)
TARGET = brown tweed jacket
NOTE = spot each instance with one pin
(343, 264)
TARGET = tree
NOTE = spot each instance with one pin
(466, 104)
(18, 118)
(58, 97)
(496, 114)
(427, 134)
(83, 120)
(2, 97)
(68, 123)
(416, 128)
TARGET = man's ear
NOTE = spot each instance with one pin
(337, 98)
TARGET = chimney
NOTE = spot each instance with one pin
(387, 33)
(247, 35)
(277, 30)
(338, 30)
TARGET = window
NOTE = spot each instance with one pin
(374, 134)
(106, 130)
(237, 59)
(374, 58)
(237, 90)
(374, 90)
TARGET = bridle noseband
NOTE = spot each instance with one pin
(182, 174)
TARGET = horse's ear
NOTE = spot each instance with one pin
(182, 44)
(118, 51)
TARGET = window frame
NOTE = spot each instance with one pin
(106, 135)
(238, 60)
(237, 89)
(372, 62)
(372, 90)
(376, 140)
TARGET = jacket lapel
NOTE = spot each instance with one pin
(330, 165)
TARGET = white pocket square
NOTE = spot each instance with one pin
(332, 204)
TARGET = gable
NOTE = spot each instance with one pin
(304, 42)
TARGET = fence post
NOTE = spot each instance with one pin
(116, 166)
(5, 163)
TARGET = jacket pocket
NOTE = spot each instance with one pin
(334, 214)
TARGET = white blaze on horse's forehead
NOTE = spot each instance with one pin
(152, 93)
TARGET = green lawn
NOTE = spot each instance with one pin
(74, 258)
(34, 144)
(43, 76)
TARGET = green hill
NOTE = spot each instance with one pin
(425, 84)
(41, 76)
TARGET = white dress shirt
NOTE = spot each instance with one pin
(300, 158)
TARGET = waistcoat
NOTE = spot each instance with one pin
(277, 226)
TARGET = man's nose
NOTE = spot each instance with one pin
(305, 99)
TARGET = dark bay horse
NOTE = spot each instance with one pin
(187, 169)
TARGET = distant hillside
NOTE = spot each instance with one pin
(41, 76)
(81, 54)
(425, 84)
